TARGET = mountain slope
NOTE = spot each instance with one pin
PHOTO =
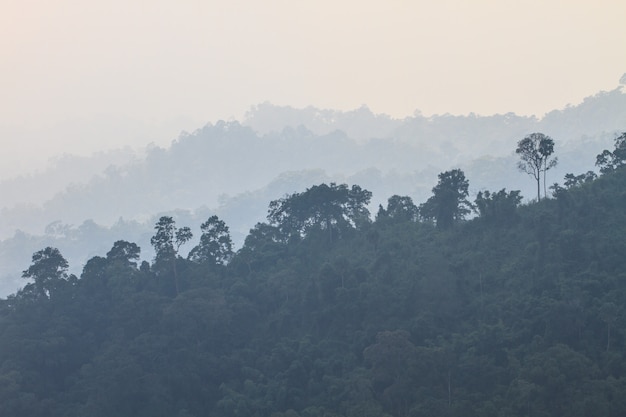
(515, 312)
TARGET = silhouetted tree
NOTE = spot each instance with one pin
(48, 270)
(400, 208)
(498, 207)
(572, 180)
(328, 207)
(215, 244)
(125, 252)
(167, 241)
(535, 151)
(608, 161)
(448, 203)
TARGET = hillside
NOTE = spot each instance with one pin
(323, 312)
(232, 169)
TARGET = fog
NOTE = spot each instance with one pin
(113, 113)
(82, 204)
(86, 77)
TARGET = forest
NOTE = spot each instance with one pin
(451, 307)
(80, 204)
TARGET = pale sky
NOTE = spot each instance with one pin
(78, 76)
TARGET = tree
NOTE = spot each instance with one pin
(327, 207)
(168, 238)
(498, 207)
(448, 203)
(49, 270)
(262, 236)
(572, 180)
(125, 252)
(182, 236)
(163, 239)
(167, 241)
(215, 244)
(400, 209)
(609, 161)
(392, 359)
(535, 151)
(263, 245)
(609, 313)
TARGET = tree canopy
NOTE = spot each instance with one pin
(516, 312)
(610, 160)
(215, 245)
(48, 271)
(500, 207)
(329, 207)
(535, 151)
(399, 208)
(449, 203)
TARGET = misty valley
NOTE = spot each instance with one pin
(278, 270)
(232, 169)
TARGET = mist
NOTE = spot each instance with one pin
(234, 168)
(85, 78)
(312, 208)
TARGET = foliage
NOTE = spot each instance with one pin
(572, 180)
(399, 209)
(49, 271)
(327, 207)
(611, 160)
(163, 239)
(166, 242)
(215, 244)
(125, 252)
(517, 312)
(449, 203)
(534, 152)
(500, 207)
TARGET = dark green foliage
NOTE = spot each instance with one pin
(166, 242)
(500, 207)
(399, 209)
(216, 246)
(332, 208)
(449, 203)
(611, 160)
(48, 271)
(572, 180)
(163, 239)
(124, 252)
(517, 312)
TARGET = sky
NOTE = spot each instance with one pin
(81, 76)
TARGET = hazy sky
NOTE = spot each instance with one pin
(83, 75)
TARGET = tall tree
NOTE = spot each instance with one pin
(449, 202)
(167, 241)
(48, 270)
(168, 238)
(534, 152)
(215, 245)
(163, 239)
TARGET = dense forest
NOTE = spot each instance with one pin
(68, 205)
(330, 310)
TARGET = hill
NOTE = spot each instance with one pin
(232, 169)
(327, 312)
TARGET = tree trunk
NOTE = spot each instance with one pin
(175, 276)
(538, 189)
